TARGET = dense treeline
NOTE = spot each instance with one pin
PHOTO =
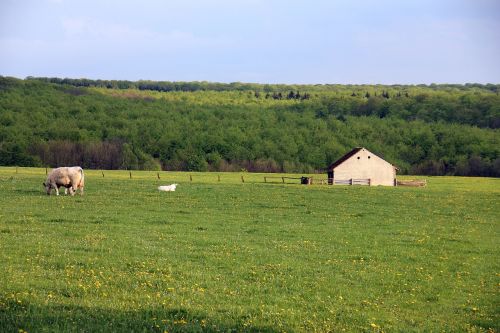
(436, 129)
(166, 86)
(473, 104)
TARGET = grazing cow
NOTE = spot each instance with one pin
(167, 188)
(71, 178)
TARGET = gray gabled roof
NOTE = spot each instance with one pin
(349, 155)
(344, 158)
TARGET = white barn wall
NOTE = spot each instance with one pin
(367, 166)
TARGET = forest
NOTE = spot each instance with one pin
(432, 129)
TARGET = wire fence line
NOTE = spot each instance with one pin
(207, 177)
(161, 176)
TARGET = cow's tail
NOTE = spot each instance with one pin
(82, 181)
(81, 185)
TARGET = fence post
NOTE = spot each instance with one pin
(218, 178)
(351, 181)
(16, 169)
(242, 179)
(190, 178)
(283, 180)
(102, 173)
(369, 182)
(265, 179)
(46, 171)
(158, 175)
(130, 172)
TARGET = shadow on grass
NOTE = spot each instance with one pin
(15, 317)
(31, 191)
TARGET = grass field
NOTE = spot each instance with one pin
(252, 257)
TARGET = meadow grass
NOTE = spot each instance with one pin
(252, 257)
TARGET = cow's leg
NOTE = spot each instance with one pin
(56, 187)
(72, 190)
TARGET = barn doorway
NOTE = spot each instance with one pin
(330, 177)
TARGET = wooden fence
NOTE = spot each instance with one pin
(283, 180)
(316, 181)
(243, 178)
(414, 183)
(334, 181)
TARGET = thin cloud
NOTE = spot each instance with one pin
(112, 33)
(380, 41)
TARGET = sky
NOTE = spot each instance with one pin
(273, 41)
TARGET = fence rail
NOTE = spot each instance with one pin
(361, 182)
(269, 179)
(213, 177)
(334, 181)
(414, 183)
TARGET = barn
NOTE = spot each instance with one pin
(362, 167)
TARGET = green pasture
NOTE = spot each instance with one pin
(228, 256)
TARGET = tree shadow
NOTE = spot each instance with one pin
(16, 317)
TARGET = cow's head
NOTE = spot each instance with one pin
(47, 188)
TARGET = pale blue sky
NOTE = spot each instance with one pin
(274, 41)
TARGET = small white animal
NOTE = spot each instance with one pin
(167, 188)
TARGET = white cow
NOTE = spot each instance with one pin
(167, 188)
(71, 178)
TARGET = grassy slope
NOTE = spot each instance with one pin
(247, 257)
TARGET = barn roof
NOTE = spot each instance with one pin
(347, 156)
(344, 158)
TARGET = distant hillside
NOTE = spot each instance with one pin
(436, 129)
